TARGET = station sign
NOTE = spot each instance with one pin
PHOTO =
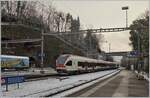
(12, 80)
(133, 54)
(41, 55)
(3, 81)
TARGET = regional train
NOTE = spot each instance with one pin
(14, 62)
(69, 64)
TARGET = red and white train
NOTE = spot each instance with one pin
(68, 63)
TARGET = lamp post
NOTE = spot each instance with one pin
(42, 51)
(42, 45)
(126, 8)
(139, 51)
(109, 47)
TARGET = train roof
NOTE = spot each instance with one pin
(87, 59)
(12, 56)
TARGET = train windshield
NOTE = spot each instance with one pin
(62, 59)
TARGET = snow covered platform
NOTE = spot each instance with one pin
(30, 73)
(52, 85)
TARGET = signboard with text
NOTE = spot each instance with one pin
(12, 80)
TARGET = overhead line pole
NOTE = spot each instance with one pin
(126, 18)
(126, 9)
(42, 51)
(109, 47)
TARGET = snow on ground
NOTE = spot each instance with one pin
(71, 91)
(50, 85)
(143, 74)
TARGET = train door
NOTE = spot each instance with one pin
(75, 65)
(69, 65)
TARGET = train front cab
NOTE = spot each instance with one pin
(65, 65)
(60, 64)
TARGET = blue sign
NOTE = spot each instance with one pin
(134, 53)
(12, 80)
(41, 55)
(141, 62)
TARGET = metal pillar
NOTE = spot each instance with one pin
(138, 42)
(138, 46)
(90, 42)
(109, 47)
(126, 18)
(42, 51)
(126, 8)
(90, 49)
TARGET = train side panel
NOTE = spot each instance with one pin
(71, 65)
(78, 64)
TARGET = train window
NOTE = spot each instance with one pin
(82, 64)
(61, 59)
(79, 63)
(69, 63)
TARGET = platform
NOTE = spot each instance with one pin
(124, 84)
(31, 73)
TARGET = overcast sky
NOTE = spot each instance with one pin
(105, 14)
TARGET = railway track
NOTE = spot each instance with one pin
(55, 84)
(83, 85)
(32, 77)
(29, 78)
(61, 91)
